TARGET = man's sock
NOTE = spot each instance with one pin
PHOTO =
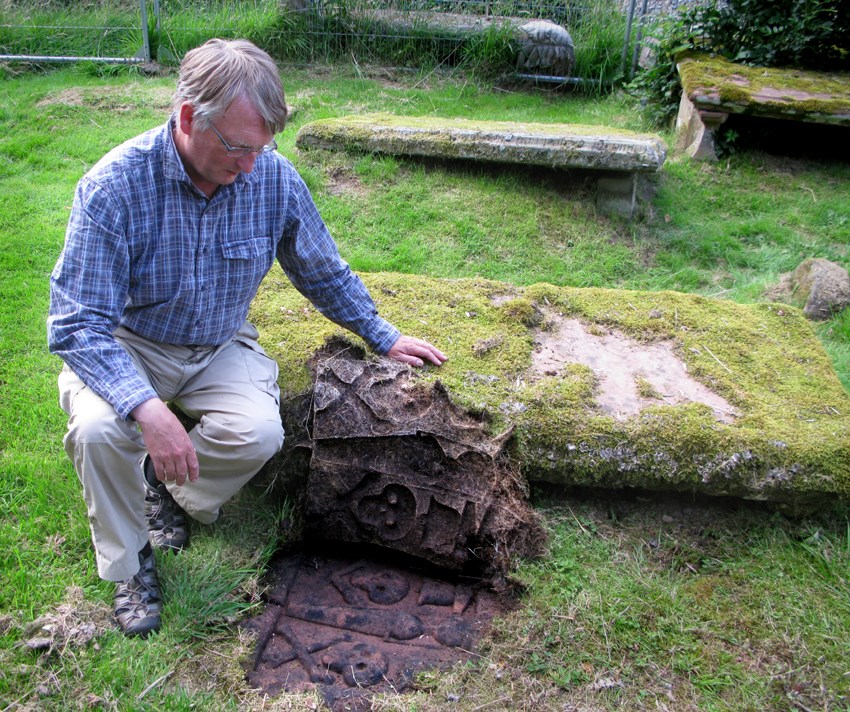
(150, 475)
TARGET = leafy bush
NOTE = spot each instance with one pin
(811, 34)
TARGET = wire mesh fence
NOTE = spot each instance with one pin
(561, 41)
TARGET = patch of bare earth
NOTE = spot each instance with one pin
(118, 98)
(58, 637)
(343, 182)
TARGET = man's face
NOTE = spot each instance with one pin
(204, 155)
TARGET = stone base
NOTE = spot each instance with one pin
(617, 194)
(713, 88)
(695, 130)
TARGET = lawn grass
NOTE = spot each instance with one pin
(641, 603)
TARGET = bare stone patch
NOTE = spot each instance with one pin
(631, 375)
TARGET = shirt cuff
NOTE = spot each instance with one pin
(130, 401)
(381, 335)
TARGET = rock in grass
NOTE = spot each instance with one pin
(612, 388)
(820, 287)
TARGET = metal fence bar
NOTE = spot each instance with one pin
(143, 57)
(41, 58)
(146, 40)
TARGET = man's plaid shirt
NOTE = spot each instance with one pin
(147, 250)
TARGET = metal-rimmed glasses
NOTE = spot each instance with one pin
(242, 151)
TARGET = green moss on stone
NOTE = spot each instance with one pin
(790, 441)
(563, 145)
(713, 79)
(646, 390)
(523, 310)
(362, 126)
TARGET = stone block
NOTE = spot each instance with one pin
(616, 194)
(610, 388)
(819, 287)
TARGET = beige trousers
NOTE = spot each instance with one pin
(231, 390)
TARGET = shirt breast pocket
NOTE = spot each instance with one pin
(247, 248)
(246, 261)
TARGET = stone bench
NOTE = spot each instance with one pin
(619, 156)
(713, 88)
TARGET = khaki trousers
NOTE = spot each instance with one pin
(231, 390)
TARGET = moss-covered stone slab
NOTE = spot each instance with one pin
(713, 87)
(619, 154)
(552, 145)
(713, 82)
(611, 388)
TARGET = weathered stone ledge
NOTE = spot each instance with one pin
(611, 388)
(552, 145)
(618, 153)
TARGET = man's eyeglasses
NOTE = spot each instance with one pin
(241, 151)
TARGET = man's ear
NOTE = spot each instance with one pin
(185, 117)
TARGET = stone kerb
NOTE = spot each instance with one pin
(610, 388)
(619, 154)
(713, 88)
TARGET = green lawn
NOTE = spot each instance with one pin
(642, 603)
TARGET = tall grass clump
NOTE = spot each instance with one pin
(185, 24)
(598, 32)
(56, 28)
(112, 28)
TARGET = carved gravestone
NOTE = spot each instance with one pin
(545, 47)
(398, 468)
(351, 627)
(398, 465)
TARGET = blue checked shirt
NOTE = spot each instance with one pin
(145, 249)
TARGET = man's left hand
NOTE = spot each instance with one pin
(408, 349)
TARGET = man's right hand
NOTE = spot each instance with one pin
(167, 442)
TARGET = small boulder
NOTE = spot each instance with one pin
(820, 287)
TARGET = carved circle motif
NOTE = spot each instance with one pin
(392, 513)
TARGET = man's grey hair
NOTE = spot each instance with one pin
(213, 75)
